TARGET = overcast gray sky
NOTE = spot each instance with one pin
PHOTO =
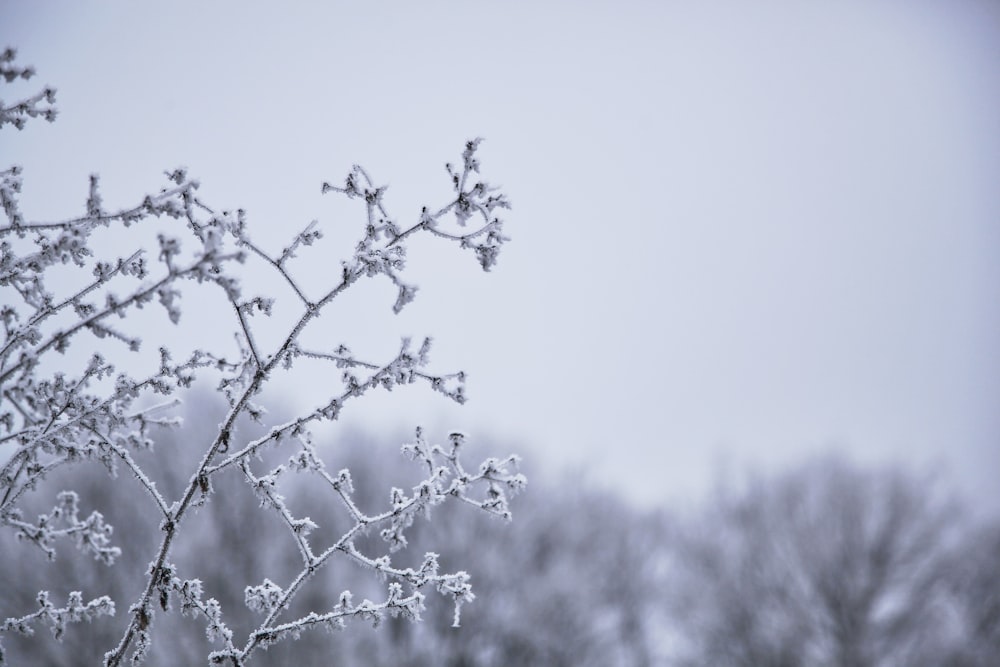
(742, 232)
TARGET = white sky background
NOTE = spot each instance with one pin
(739, 234)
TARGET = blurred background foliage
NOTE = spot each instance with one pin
(824, 564)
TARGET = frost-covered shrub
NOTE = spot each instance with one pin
(57, 291)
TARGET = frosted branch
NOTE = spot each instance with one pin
(52, 419)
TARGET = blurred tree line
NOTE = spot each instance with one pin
(832, 564)
(826, 564)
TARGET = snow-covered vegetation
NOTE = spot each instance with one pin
(59, 292)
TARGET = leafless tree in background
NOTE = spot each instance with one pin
(974, 576)
(831, 564)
